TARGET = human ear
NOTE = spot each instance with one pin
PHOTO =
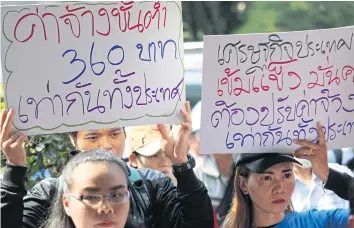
(243, 185)
(133, 161)
(66, 202)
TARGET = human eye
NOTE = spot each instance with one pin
(266, 178)
(155, 155)
(116, 195)
(115, 134)
(91, 198)
(288, 175)
(92, 138)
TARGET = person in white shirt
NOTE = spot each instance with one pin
(309, 192)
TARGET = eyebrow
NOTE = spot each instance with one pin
(283, 171)
(97, 189)
(91, 134)
(115, 129)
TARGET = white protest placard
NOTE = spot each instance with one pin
(260, 91)
(86, 65)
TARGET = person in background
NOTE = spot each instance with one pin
(264, 184)
(216, 171)
(351, 164)
(341, 156)
(194, 141)
(309, 193)
(154, 201)
(95, 193)
(146, 149)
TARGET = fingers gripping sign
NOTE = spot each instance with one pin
(316, 153)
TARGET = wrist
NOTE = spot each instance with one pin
(16, 163)
(178, 161)
(183, 167)
(15, 175)
(324, 176)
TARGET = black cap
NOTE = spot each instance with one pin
(351, 197)
(259, 162)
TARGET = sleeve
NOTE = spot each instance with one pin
(329, 218)
(338, 183)
(187, 205)
(19, 209)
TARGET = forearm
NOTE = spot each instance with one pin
(195, 204)
(338, 183)
(12, 193)
(18, 208)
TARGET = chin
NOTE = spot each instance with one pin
(276, 209)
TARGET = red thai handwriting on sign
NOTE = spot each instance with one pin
(116, 17)
(257, 79)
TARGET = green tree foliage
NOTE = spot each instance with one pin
(268, 16)
(211, 18)
(2, 102)
(46, 156)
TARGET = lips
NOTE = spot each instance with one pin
(278, 201)
(106, 224)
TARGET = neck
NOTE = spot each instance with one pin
(224, 165)
(304, 174)
(262, 218)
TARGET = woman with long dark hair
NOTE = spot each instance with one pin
(264, 184)
(95, 193)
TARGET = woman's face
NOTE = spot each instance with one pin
(158, 161)
(271, 190)
(91, 179)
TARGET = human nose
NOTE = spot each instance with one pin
(105, 143)
(278, 187)
(105, 207)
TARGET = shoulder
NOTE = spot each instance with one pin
(314, 216)
(152, 175)
(156, 182)
(46, 188)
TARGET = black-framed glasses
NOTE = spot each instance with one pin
(94, 199)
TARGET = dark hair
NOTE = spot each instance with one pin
(241, 213)
(57, 217)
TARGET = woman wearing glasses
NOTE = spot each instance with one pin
(94, 194)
